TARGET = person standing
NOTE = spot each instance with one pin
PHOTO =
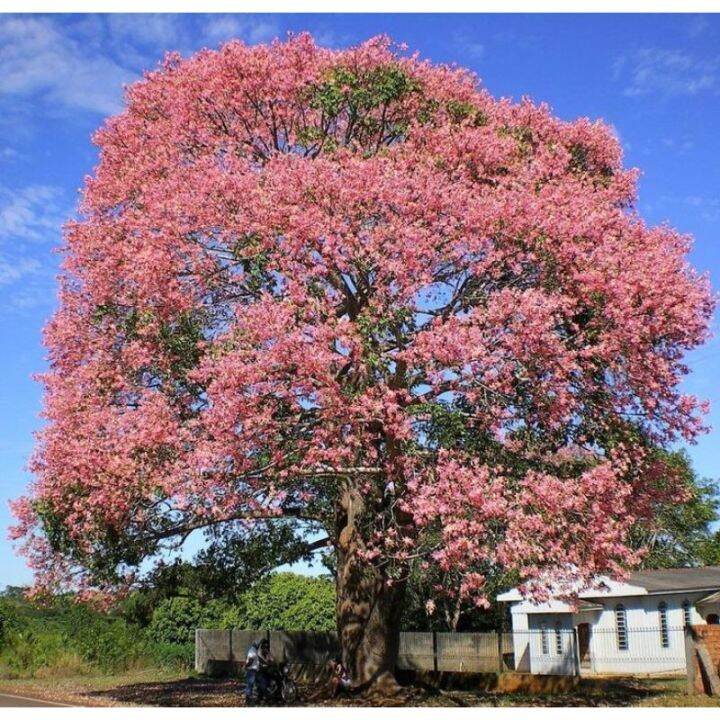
(252, 665)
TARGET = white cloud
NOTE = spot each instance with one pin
(680, 145)
(32, 294)
(220, 28)
(666, 72)
(707, 208)
(37, 58)
(697, 26)
(8, 153)
(329, 38)
(147, 28)
(82, 62)
(30, 224)
(13, 270)
(469, 45)
(33, 213)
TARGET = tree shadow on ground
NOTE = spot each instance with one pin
(229, 692)
(192, 692)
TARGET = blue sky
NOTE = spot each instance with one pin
(655, 78)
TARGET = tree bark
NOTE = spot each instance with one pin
(368, 608)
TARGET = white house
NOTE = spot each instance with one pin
(635, 627)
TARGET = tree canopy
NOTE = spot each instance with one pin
(297, 269)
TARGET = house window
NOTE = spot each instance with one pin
(621, 627)
(544, 639)
(558, 638)
(687, 617)
(664, 635)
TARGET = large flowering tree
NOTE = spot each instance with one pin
(350, 289)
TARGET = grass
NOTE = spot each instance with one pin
(612, 692)
(177, 689)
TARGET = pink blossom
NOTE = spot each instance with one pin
(248, 319)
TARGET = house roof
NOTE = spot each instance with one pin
(560, 606)
(667, 580)
(643, 582)
(709, 599)
(587, 606)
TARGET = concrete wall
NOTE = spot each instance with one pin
(542, 647)
(416, 651)
(213, 650)
(467, 652)
(222, 651)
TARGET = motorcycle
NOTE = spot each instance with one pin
(280, 688)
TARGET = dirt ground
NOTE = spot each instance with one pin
(147, 688)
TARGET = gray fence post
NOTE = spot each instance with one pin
(197, 650)
(576, 651)
(690, 660)
(435, 651)
(501, 666)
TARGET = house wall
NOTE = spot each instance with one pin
(521, 638)
(645, 653)
(556, 654)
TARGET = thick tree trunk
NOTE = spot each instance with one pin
(368, 609)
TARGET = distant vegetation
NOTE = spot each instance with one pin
(65, 638)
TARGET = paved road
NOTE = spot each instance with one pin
(23, 701)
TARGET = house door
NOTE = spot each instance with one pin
(583, 635)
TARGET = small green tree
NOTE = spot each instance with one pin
(8, 619)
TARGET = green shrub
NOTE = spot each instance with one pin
(174, 620)
(111, 646)
(171, 655)
(70, 639)
(24, 653)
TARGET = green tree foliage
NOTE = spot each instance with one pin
(8, 619)
(449, 613)
(285, 601)
(64, 637)
(236, 557)
(233, 558)
(174, 620)
(684, 533)
(281, 601)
